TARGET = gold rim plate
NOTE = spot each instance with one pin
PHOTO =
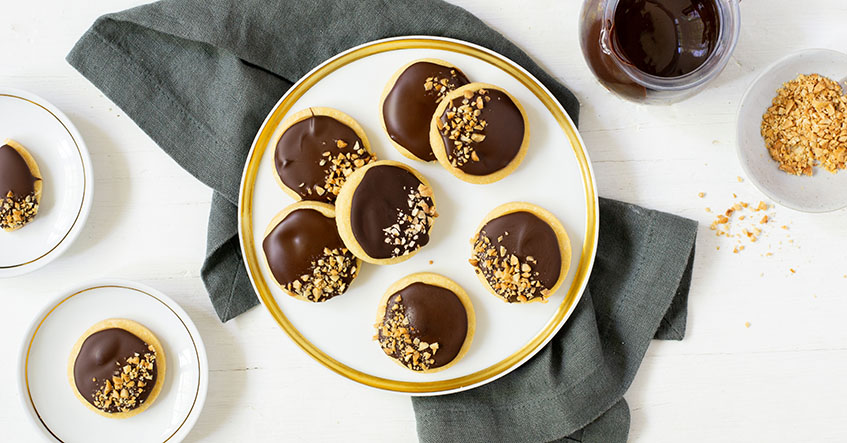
(253, 259)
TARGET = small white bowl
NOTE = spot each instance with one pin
(822, 192)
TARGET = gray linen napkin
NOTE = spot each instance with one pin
(199, 77)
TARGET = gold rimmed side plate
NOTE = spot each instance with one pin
(584, 252)
(43, 133)
(48, 399)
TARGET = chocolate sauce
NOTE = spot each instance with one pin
(666, 38)
(504, 133)
(409, 106)
(436, 315)
(15, 175)
(524, 234)
(298, 241)
(302, 147)
(382, 193)
(102, 355)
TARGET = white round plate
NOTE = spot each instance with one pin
(822, 192)
(556, 174)
(63, 159)
(48, 396)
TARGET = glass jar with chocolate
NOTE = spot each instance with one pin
(658, 51)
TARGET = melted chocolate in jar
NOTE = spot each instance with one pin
(504, 133)
(301, 149)
(382, 192)
(528, 235)
(666, 38)
(297, 241)
(15, 175)
(437, 316)
(408, 107)
(96, 360)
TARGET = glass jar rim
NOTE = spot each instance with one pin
(729, 13)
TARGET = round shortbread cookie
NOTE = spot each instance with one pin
(385, 212)
(21, 185)
(305, 254)
(521, 252)
(410, 98)
(425, 322)
(120, 365)
(480, 133)
(316, 150)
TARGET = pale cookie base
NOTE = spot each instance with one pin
(440, 151)
(344, 203)
(389, 86)
(139, 331)
(327, 210)
(303, 115)
(433, 279)
(552, 221)
(33, 169)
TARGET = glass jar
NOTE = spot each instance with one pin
(605, 52)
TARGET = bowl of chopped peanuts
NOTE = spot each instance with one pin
(792, 131)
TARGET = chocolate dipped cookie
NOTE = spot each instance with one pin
(480, 133)
(425, 322)
(20, 186)
(409, 100)
(305, 254)
(385, 212)
(117, 368)
(315, 152)
(521, 253)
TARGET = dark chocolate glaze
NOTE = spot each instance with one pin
(300, 150)
(436, 315)
(15, 175)
(408, 107)
(297, 241)
(102, 355)
(666, 38)
(528, 235)
(382, 192)
(504, 134)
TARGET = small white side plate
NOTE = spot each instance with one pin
(48, 396)
(63, 159)
(822, 192)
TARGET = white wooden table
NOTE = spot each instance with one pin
(780, 378)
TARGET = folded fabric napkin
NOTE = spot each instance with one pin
(199, 77)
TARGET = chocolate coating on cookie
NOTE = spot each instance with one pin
(314, 156)
(482, 131)
(391, 212)
(431, 319)
(408, 107)
(106, 354)
(306, 243)
(523, 245)
(15, 175)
